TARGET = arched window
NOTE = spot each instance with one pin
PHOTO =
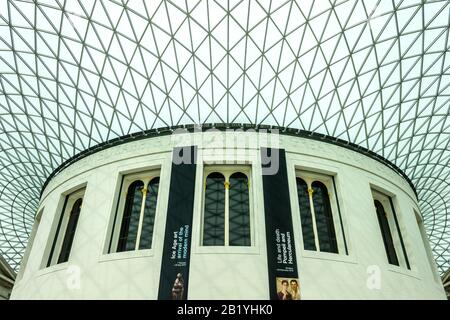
(305, 215)
(66, 227)
(226, 216)
(239, 210)
(136, 212)
(149, 214)
(386, 233)
(131, 215)
(70, 231)
(324, 218)
(319, 213)
(214, 215)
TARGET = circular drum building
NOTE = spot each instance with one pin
(237, 149)
(228, 213)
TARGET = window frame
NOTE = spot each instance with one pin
(69, 234)
(328, 179)
(227, 170)
(62, 220)
(388, 201)
(126, 179)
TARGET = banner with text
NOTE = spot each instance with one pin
(173, 284)
(281, 258)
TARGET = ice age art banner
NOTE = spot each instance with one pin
(173, 284)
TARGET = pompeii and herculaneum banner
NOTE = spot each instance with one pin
(281, 259)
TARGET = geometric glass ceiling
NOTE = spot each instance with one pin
(77, 73)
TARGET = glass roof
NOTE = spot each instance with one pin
(76, 73)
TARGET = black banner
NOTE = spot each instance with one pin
(173, 283)
(282, 264)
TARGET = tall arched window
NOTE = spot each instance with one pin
(226, 216)
(214, 215)
(138, 210)
(149, 214)
(305, 215)
(66, 228)
(319, 213)
(239, 210)
(386, 233)
(70, 231)
(130, 218)
(324, 218)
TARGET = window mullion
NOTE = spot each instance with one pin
(227, 212)
(141, 218)
(313, 218)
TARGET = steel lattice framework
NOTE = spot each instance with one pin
(75, 73)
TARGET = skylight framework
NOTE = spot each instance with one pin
(75, 73)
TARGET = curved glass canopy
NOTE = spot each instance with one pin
(77, 73)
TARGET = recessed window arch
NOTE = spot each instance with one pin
(134, 221)
(148, 222)
(65, 231)
(131, 215)
(305, 215)
(70, 231)
(386, 233)
(239, 210)
(226, 209)
(320, 217)
(324, 218)
(390, 229)
(214, 214)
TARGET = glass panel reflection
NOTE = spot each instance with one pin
(149, 214)
(130, 220)
(239, 211)
(213, 223)
(70, 231)
(324, 218)
(386, 233)
(305, 215)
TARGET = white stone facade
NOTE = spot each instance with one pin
(228, 272)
